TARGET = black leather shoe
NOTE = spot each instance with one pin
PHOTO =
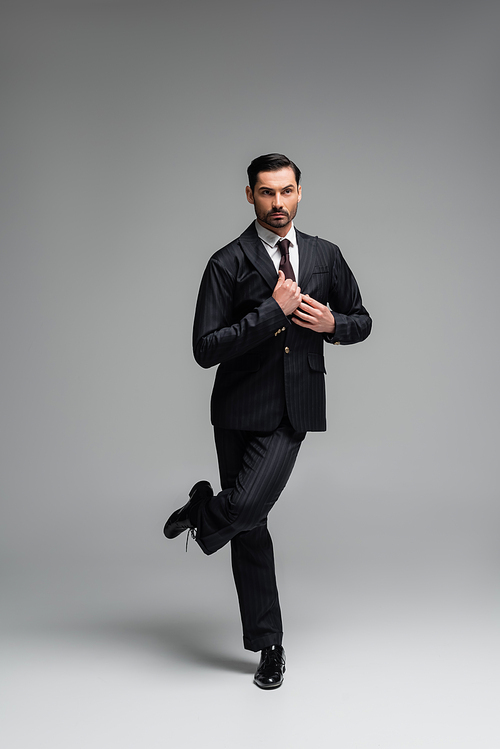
(181, 520)
(269, 674)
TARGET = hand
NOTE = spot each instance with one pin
(314, 315)
(287, 294)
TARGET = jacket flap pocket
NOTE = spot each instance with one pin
(316, 362)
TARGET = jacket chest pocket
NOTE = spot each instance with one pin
(319, 283)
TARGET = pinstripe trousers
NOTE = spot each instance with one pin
(254, 469)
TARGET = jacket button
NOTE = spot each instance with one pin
(287, 350)
(282, 328)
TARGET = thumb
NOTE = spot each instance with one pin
(281, 278)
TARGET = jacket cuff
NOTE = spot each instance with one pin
(340, 333)
(281, 317)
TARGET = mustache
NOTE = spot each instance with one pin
(276, 213)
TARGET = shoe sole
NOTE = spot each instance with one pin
(173, 532)
(268, 686)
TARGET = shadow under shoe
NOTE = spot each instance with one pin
(185, 518)
(269, 674)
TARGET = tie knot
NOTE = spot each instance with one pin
(283, 246)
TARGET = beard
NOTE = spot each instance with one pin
(272, 218)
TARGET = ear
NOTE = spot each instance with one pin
(249, 195)
(299, 191)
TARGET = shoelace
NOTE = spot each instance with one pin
(273, 658)
(191, 532)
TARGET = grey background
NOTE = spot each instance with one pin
(126, 129)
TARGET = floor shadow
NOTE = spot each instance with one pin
(201, 642)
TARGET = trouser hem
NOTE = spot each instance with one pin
(204, 548)
(215, 541)
(263, 642)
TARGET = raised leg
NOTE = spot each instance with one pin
(254, 468)
(265, 465)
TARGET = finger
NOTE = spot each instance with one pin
(304, 315)
(302, 324)
(313, 302)
(309, 309)
(281, 278)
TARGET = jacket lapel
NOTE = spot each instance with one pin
(255, 252)
(307, 258)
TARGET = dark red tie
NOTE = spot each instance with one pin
(285, 265)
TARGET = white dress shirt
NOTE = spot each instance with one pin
(269, 240)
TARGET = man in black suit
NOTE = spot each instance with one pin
(267, 303)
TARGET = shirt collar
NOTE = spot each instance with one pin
(270, 238)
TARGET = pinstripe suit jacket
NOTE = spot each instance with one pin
(266, 362)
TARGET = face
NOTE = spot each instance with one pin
(275, 198)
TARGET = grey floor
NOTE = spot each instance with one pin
(151, 657)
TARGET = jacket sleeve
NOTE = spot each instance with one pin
(352, 321)
(216, 338)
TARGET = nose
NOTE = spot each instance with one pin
(277, 202)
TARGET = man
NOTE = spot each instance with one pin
(267, 302)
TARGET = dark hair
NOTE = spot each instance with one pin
(271, 162)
